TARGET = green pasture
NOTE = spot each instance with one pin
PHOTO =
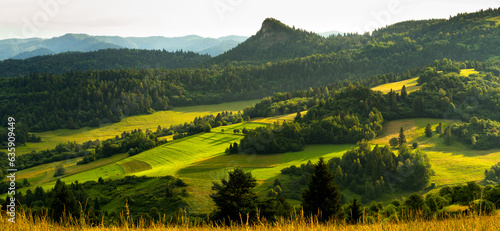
(179, 115)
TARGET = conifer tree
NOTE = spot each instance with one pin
(402, 137)
(322, 197)
(235, 196)
(428, 130)
(404, 94)
(354, 211)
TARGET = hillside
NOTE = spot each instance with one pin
(104, 59)
(276, 41)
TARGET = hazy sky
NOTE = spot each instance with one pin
(213, 18)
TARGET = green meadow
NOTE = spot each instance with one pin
(178, 115)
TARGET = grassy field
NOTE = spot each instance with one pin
(410, 84)
(467, 72)
(454, 164)
(28, 223)
(280, 118)
(176, 116)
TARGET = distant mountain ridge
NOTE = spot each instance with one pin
(26, 48)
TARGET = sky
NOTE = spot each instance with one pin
(214, 18)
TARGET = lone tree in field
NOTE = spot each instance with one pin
(402, 137)
(322, 197)
(235, 196)
(59, 170)
(428, 130)
(439, 128)
(447, 136)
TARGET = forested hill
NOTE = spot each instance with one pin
(101, 60)
(276, 41)
(472, 36)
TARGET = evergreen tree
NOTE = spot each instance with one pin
(447, 136)
(322, 196)
(63, 203)
(298, 117)
(428, 130)
(354, 211)
(235, 196)
(439, 128)
(404, 94)
(402, 137)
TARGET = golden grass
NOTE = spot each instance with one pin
(29, 223)
(410, 84)
(467, 72)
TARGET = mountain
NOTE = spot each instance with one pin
(276, 41)
(37, 52)
(25, 48)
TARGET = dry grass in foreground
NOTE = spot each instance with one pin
(28, 223)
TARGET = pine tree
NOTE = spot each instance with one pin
(63, 203)
(428, 130)
(298, 117)
(354, 211)
(402, 137)
(447, 136)
(322, 196)
(235, 196)
(439, 128)
(404, 94)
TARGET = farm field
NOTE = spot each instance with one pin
(178, 115)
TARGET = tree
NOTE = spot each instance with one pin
(322, 196)
(354, 211)
(415, 202)
(298, 117)
(63, 203)
(402, 137)
(235, 196)
(428, 130)
(59, 170)
(404, 94)
(394, 142)
(439, 128)
(447, 136)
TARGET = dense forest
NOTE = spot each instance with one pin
(106, 59)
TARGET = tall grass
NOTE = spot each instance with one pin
(24, 221)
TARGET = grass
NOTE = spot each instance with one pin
(467, 72)
(29, 223)
(179, 115)
(410, 84)
(454, 164)
(280, 118)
